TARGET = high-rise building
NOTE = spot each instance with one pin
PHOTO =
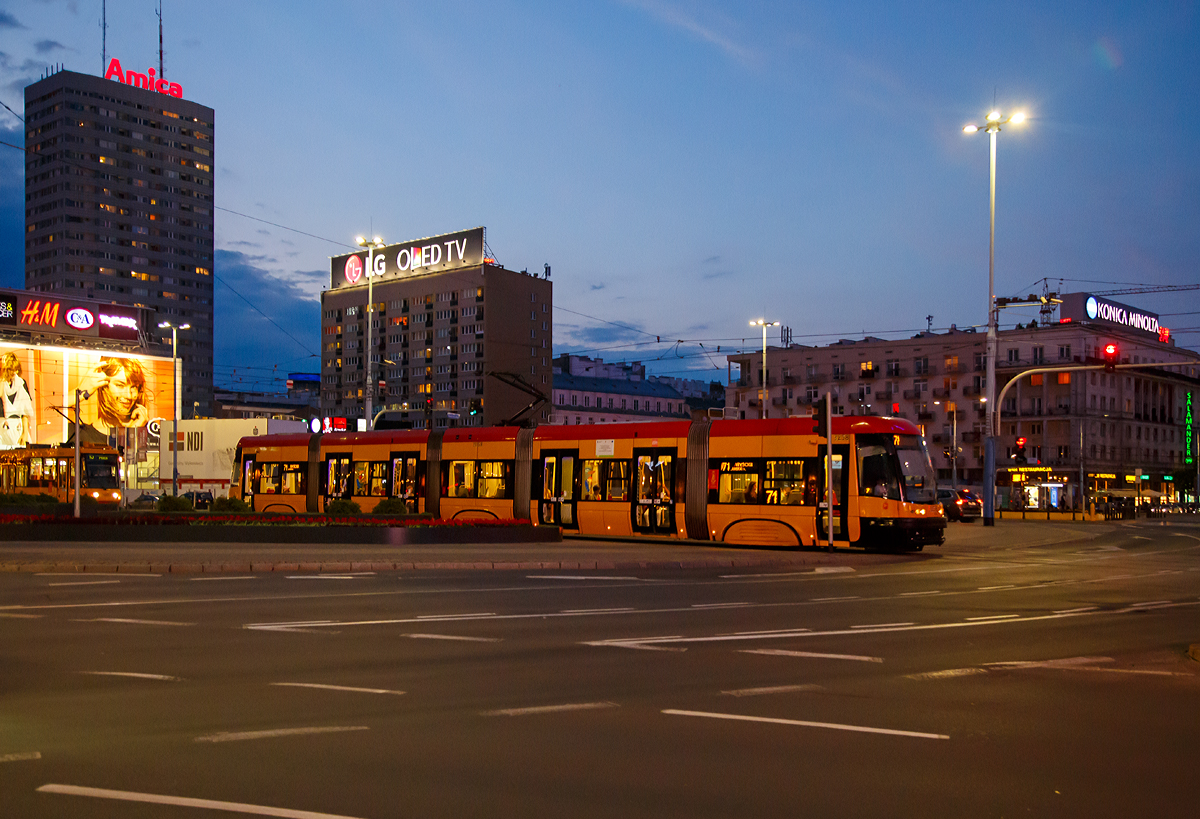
(119, 204)
(436, 334)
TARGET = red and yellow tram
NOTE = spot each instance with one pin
(744, 482)
(49, 470)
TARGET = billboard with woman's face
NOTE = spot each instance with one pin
(37, 393)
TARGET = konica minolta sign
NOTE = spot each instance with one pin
(1086, 307)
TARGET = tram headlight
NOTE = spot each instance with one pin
(96, 495)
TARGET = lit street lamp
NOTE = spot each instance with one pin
(762, 401)
(175, 409)
(992, 126)
(371, 246)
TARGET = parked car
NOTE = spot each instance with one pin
(963, 505)
(147, 500)
(200, 500)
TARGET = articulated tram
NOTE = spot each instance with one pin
(38, 470)
(747, 482)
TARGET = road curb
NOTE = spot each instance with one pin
(1194, 651)
(135, 567)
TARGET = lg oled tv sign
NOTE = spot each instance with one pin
(436, 254)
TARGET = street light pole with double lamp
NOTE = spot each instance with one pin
(371, 246)
(992, 125)
(175, 409)
(762, 397)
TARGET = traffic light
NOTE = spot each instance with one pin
(474, 406)
(1019, 454)
(821, 416)
(1111, 354)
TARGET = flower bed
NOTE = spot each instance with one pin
(255, 519)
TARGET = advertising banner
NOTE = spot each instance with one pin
(433, 255)
(1086, 307)
(37, 394)
(31, 311)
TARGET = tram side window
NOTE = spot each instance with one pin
(877, 476)
(593, 488)
(35, 471)
(370, 478)
(294, 479)
(268, 478)
(617, 483)
(460, 480)
(784, 482)
(737, 482)
(495, 478)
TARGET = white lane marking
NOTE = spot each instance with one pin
(996, 588)
(134, 621)
(454, 637)
(1063, 662)
(719, 605)
(768, 631)
(456, 616)
(188, 802)
(883, 625)
(321, 576)
(338, 688)
(771, 689)
(832, 569)
(806, 724)
(949, 672)
(136, 675)
(16, 616)
(97, 574)
(86, 583)
(1109, 549)
(635, 644)
(918, 594)
(223, 577)
(1076, 611)
(832, 599)
(229, 736)
(574, 577)
(1139, 537)
(549, 709)
(20, 757)
(780, 652)
(1149, 603)
(992, 617)
(596, 611)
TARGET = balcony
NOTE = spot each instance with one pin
(971, 391)
(883, 396)
(924, 416)
(913, 395)
(868, 372)
(942, 392)
(951, 369)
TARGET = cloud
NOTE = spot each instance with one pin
(243, 337)
(242, 243)
(46, 46)
(600, 286)
(711, 260)
(717, 274)
(673, 15)
(609, 334)
(8, 21)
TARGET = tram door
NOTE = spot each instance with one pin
(560, 477)
(248, 472)
(654, 486)
(841, 477)
(338, 479)
(405, 484)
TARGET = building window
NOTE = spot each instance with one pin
(921, 366)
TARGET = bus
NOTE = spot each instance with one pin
(37, 470)
(744, 482)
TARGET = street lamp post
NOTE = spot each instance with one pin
(952, 408)
(175, 408)
(762, 401)
(371, 246)
(992, 126)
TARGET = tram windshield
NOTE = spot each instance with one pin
(101, 474)
(920, 482)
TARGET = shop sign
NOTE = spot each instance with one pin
(80, 318)
(147, 80)
(1103, 475)
(1086, 307)
(449, 251)
(1189, 436)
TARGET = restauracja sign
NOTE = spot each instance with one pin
(147, 80)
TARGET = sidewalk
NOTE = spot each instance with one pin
(605, 555)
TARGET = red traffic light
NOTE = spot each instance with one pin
(1110, 349)
(1020, 442)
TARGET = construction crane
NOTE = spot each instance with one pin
(1158, 288)
(1049, 300)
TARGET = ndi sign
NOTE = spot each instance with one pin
(1086, 307)
(147, 80)
(433, 255)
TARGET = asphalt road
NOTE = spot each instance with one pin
(1027, 678)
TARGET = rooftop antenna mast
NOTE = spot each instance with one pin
(103, 35)
(161, 72)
